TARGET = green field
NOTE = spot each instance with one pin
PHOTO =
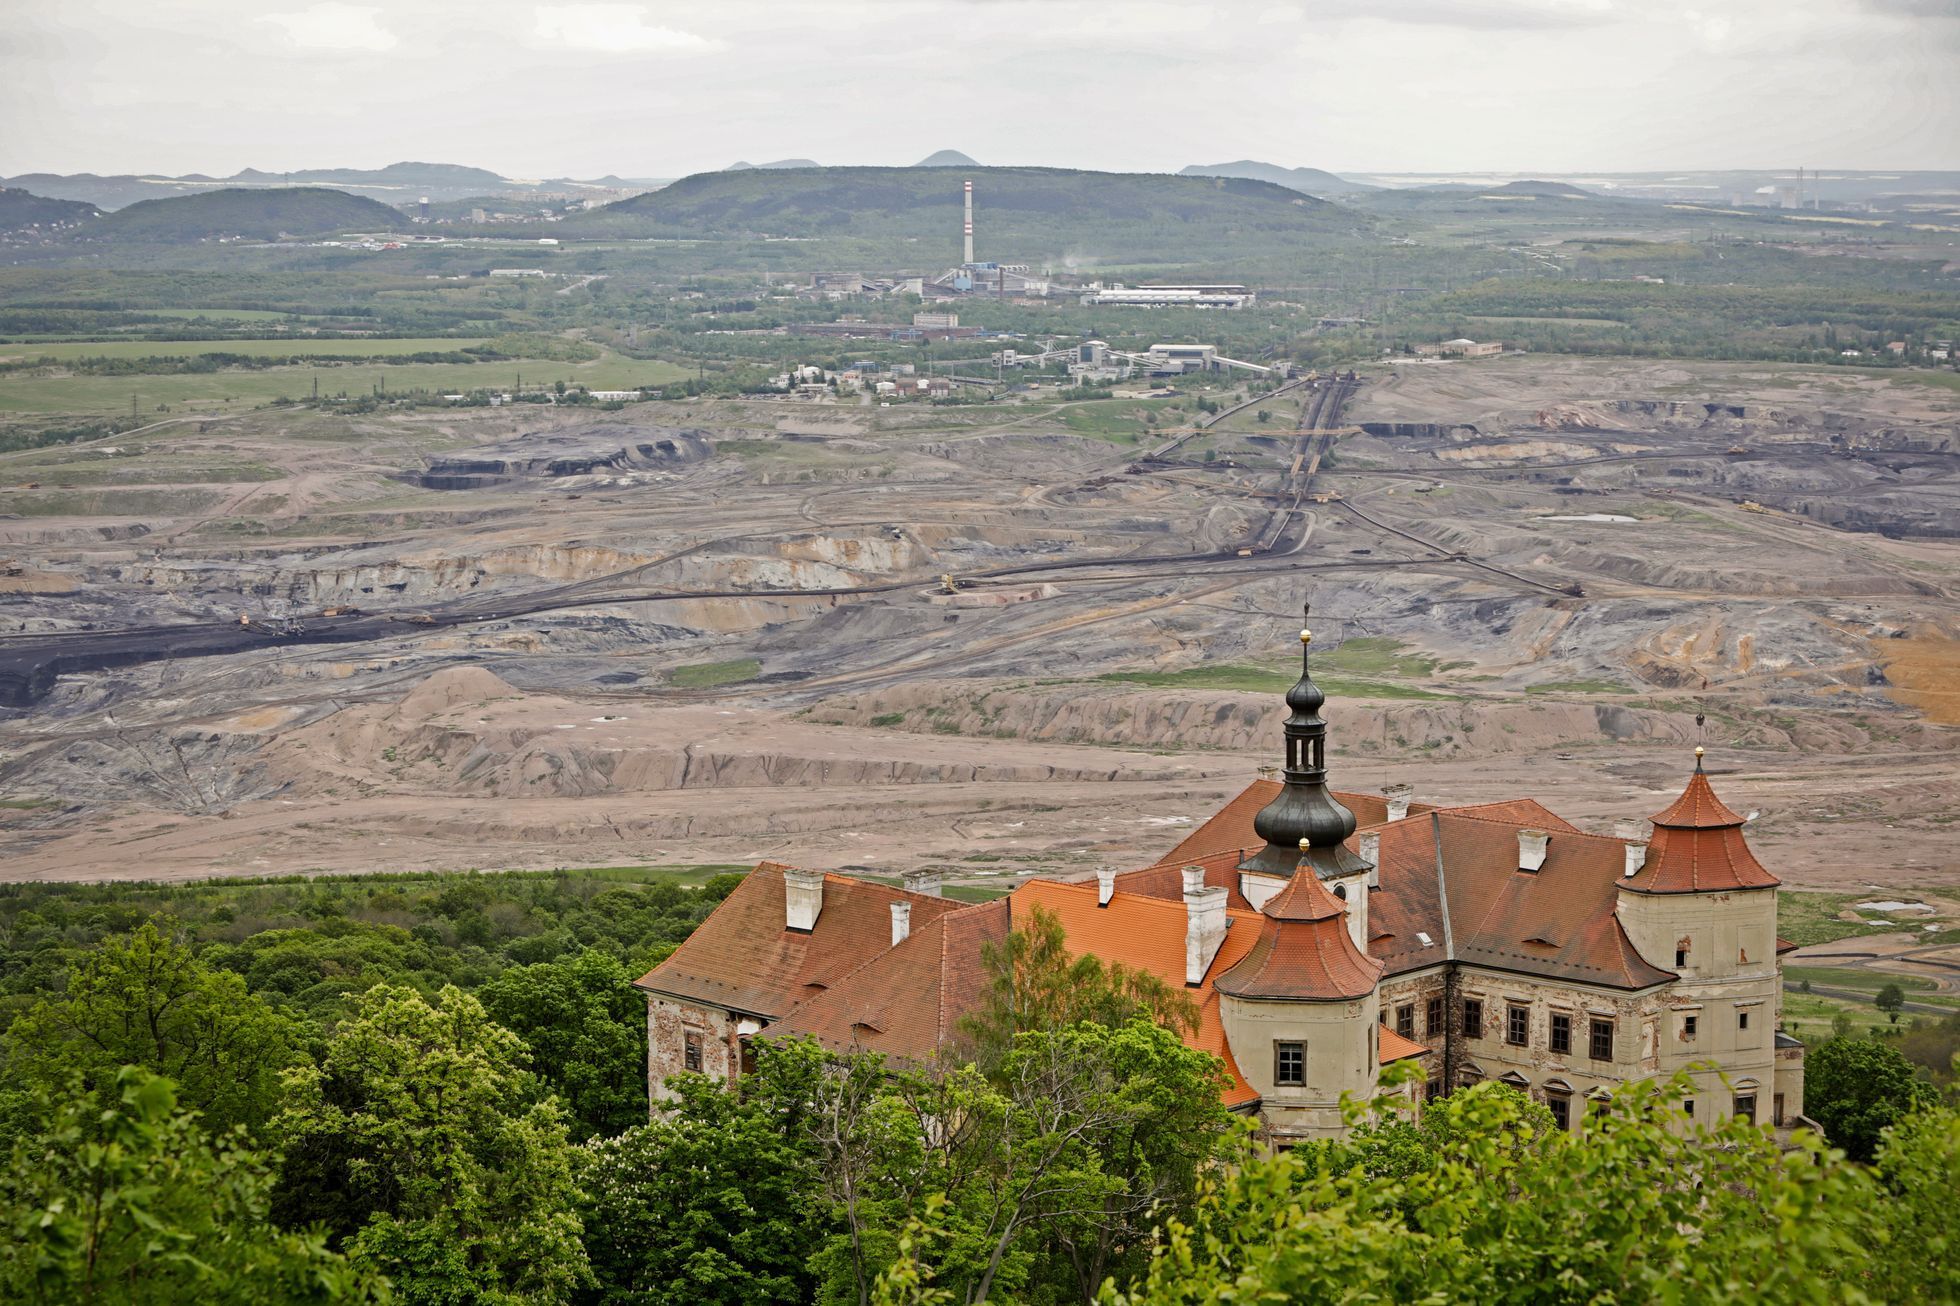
(219, 391)
(712, 675)
(1261, 680)
(293, 347)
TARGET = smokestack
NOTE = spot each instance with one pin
(901, 922)
(1532, 847)
(1204, 927)
(969, 222)
(802, 899)
(1636, 843)
(1398, 797)
(922, 882)
(1105, 886)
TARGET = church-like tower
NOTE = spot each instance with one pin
(1300, 1008)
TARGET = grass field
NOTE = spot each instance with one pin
(62, 351)
(1261, 680)
(214, 392)
(712, 675)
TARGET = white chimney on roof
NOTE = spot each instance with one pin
(1398, 800)
(1105, 886)
(927, 882)
(1204, 927)
(901, 922)
(802, 899)
(1371, 853)
(1636, 836)
(1194, 879)
(1532, 847)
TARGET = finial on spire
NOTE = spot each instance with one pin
(1699, 750)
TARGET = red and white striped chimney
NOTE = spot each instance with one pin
(969, 222)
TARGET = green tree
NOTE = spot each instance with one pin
(1916, 1256)
(1855, 1087)
(145, 999)
(585, 1025)
(1889, 1000)
(1635, 1208)
(122, 1196)
(719, 1200)
(419, 1141)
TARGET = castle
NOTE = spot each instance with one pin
(1320, 937)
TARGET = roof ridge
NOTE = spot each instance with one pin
(1167, 904)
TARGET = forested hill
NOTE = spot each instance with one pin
(20, 210)
(1020, 214)
(259, 214)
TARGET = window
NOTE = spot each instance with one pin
(1382, 1015)
(1602, 1040)
(691, 1051)
(1561, 1110)
(1473, 1018)
(1405, 1020)
(1680, 958)
(1742, 1020)
(1432, 1090)
(748, 1057)
(1688, 1105)
(1290, 1063)
(1688, 1024)
(1776, 1109)
(1432, 1018)
(1745, 1106)
(1517, 1026)
(1561, 1032)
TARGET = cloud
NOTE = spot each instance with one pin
(335, 27)
(615, 29)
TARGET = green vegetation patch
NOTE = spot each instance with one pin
(1261, 680)
(1804, 917)
(712, 675)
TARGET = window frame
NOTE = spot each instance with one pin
(694, 1053)
(1517, 1024)
(1297, 1050)
(1737, 1109)
(1434, 1018)
(1473, 1018)
(1560, 1106)
(1561, 1033)
(1405, 1020)
(1690, 1026)
(1600, 1032)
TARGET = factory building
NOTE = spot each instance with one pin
(1189, 296)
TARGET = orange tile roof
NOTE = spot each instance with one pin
(1697, 847)
(1147, 934)
(1390, 1046)
(907, 1001)
(1230, 828)
(1304, 952)
(742, 958)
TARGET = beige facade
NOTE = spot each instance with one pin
(1337, 1056)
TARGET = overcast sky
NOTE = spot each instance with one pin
(669, 87)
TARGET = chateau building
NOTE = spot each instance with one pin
(1320, 936)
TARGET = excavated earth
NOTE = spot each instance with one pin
(716, 630)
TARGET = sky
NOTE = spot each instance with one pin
(671, 87)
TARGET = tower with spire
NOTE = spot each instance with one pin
(1303, 1002)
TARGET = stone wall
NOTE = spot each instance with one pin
(671, 1023)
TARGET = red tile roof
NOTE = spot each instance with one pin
(743, 958)
(1390, 1046)
(1230, 828)
(1304, 952)
(1697, 847)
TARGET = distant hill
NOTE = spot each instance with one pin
(910, 217)
(742, 165)
(397, 181)
(1549, 189)
(1308, 181)
(238, 211)
(21, 210)
(436, 176)
(947, 159)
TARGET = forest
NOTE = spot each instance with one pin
(431, 1089)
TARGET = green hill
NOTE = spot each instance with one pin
(256, 214)
(20, 210)
(1311, 181)
(911, 216)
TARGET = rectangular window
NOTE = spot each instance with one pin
(1405, 1020)
(1382, 1015)
(1776, 1109)
(1432, 1090)
(1561, 1032)
(1517, 1026)
(1742, 1020)
(1688, 1024)
(1680, 958)
(1602, 1040)
(1432, 1023)
(1561, 1110)
(1473, 1018)
(1290, 1063)
(1745, 1106)
(1688, 1105)
(691, 1051)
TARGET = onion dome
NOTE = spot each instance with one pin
(1304, 822)
(1697, 846)
(1304, 952)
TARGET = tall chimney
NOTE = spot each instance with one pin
(901, 922)
(802, 899)
(1398, 800)
(925, 882)
(1636, 844)
(1105, 886)
(1204, 928)
(1194, 879)
(1371, 853)
(1532, 847)
(969, 222)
